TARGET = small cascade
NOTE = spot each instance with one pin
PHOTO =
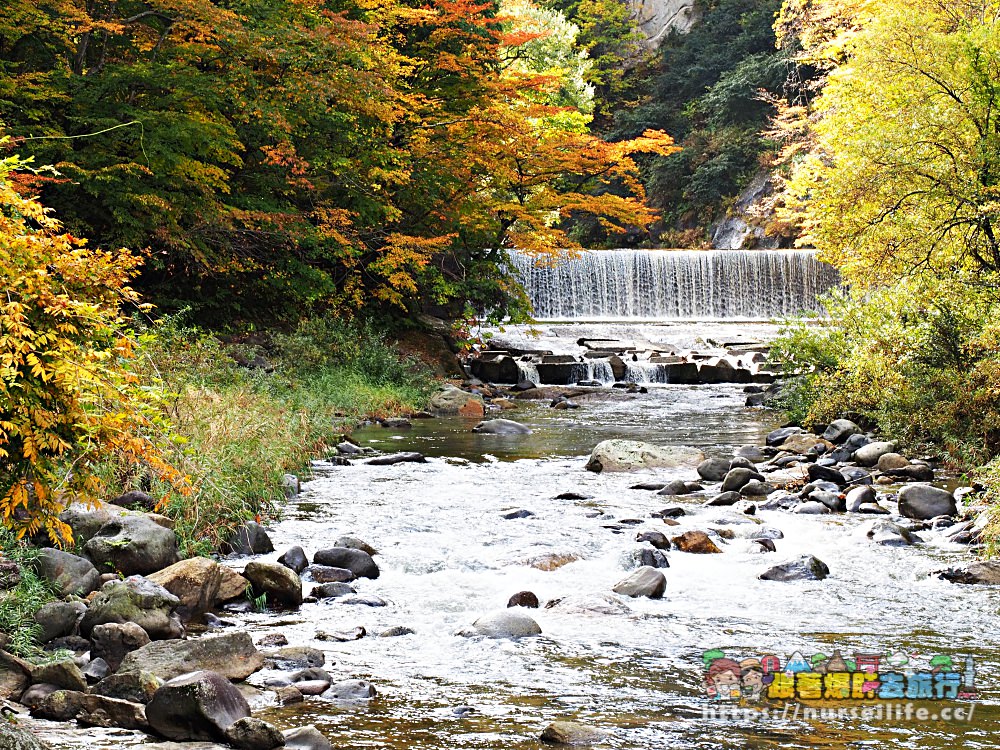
(600, 370)
(676, 284)
(529, 372)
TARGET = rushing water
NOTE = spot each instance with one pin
(448, 557)
(676, 284)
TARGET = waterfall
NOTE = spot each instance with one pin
(675, 284)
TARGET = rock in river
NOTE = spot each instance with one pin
(645, 581)
(803, 568)
(572, 733)
(198, 706)
(507, 624)
(232, 655)
(282, 586)
(137, 600)
(697, 542)
(132, 545)
(629, 455)
(923, 502)
(501, 427)
(357, 561)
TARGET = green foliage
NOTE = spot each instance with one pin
(19, 604)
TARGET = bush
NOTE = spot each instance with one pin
(19, 604)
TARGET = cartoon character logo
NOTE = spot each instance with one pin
(723, 679)
(752, 679)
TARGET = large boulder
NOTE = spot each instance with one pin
(249, 733)
(112, 641)
(138, 600)
(69, 574)
(91, 710)
(506, 624)
(839, 430)
(629, 455)
(306, 738)
(868, 455)
(249, 539)
(281, 586)
(132, 545)
(739, 477)
(697, 542)
(232, 655)
(195, 582)
(501, 427)
(63, 673)
(714, 469)
(58, 619)
(359, 562)
(451, 401)
(14, 737)
(646, 581)
(923, 502)
(572, 733)
(86, 520)
(136, 687)
(802, 568)
(198, 706)
(15, 677)
(985, 573)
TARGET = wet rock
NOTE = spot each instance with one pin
(629, 455)
(511, 515)
(923, 502)
(507, 624)
(812, 508)
(890, 461)
(756, 488)
(872, 509)
(868, 455)
(858, 497)
(451, 401)
(91, 710)
(253, 734)
(649, 486)
(297, 657)
(839, 430)
(137, 687)
(697, 542)
(201, 706)
(328, 574)
(295, 559)
(802, 568)
(409, 457)
(725, 499)
(819, 473)
(342, 636)
(132, 545)
(306, 738)
(656, 538)
(832, 500)
(766, 545)
(736, 478)
(713, 469)
(13, 737)
(331, 591)
(351, 690)
(69, 574)
(673, 512)
(288, 695)
(291, 485)
(777, 437)
(273, 640)
(232, 655)
(34, 695)
(674, 487)
(64, 674)
(985, 573)
(112, 641)
(352, 542)
(501, 427)
(572, 733)
(195, 582)
(15, 676)
(805, 443)
(523, 599)
(249, 539)
(653, 558)
(58, 619)
(86, 520)
(363, 601)
(588, 604)
(646, 581)
(856, 475)
(280, 585)
(357, 561)
(396, 631)
(912, 473)
(137, 600)
(751, 453)
(887, 533)
(60, 705)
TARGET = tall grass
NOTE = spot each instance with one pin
(237, 429)
(19, 604)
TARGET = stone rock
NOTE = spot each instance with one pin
(34, 695)
(112, 641)
(978, 573)
(396, 631)
(232, 586)
(725, 500)
(101, 711)
(253, 734)
(60, 705)
(137, 687)
(839, 430)
(832, 500)
(409, 457)
(872, 509)
(674, 487)
(198, 706)
(306, 738)
(13, 737)
(195, 582)
(656, 538)
(298, 657)
(451, 401)
(887, 533)
(777, 437)
(858, 497)
(516, 513)
(572, 733)
(138, 600)
(752, 453)
(912, 473)
(812, 508)
(802, 568)
(646, 581)
(507, 624)
(249, 539)
(351, 690)
(713, 469)
(58, 619)
(15, 676)
(295, 559)
(653, 558)
(923, 502)
(331, 591)
(629, 455)
(291, 485)
(756, 488)
(132, 545)
(501, 427)
(273, 640)
(819, 473)
(328, 574)
(288, 695)
(523, 599)
(357, 561)
(64, 674)
(282, 586)
(736, 478)
(889, 461)
(232, 655)
(697, 542)
(69, 574)
(855, 475)
(86, 520)
(868, 455)
(804, 443)
(352, 542)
